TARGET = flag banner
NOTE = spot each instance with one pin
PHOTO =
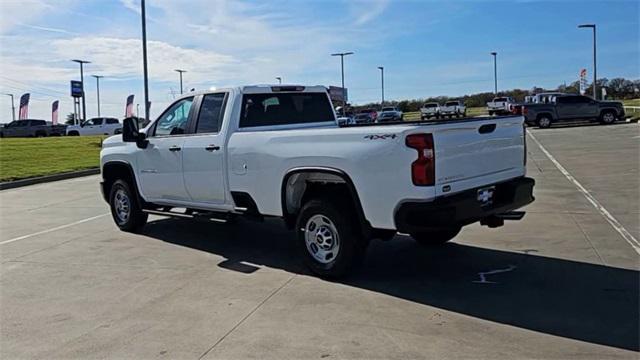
(54, 113)
(128, 110)
(24, 107)
(583, 81)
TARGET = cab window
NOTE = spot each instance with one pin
(174, 120)
(211, 113)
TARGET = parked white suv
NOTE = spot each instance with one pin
(453, 108)
(277, 151)
(96, 126)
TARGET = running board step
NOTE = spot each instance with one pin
(205, 216)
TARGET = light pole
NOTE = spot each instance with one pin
(279, 79)
(595, 74)
(495, 72)
(143, 15)
(382, 79)
(13, 108)
(180, 71)
(137, 110)
(344, 100)
(84, 105)
(98, 77)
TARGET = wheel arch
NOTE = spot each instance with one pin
(117, 169)
(295, 189)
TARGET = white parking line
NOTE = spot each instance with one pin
(596, 204)
(53, 229)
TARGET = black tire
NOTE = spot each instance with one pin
(120, 193)
(544, 121)
(490, 113)
(436, 237)
(607, 117)
(73, 133)
(41, 134)
(342, 221)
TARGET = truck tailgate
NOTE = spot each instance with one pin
(472, 154)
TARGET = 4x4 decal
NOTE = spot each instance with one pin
(380, 137)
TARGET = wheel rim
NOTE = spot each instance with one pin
(544, 122)
(321, 238)
(122, 206)
(608, 118)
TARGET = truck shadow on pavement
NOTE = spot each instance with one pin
(582, 301)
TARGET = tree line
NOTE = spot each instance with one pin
(617, 89)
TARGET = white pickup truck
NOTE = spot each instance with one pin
(429, 110)
(500, 105)
(453, 108)
(278, 151)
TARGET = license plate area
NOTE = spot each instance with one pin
(485, 196)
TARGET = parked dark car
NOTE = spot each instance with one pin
(571, 108)
(32, 128)
(363, 118)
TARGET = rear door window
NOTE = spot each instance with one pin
(285, 109)
(211, 113)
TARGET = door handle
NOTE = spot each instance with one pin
(175, 148)
(212, 147)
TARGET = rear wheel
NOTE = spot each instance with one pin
(73, 133)
(607, 117)
(544, 121)
(435, 237)
(125, 209)
(329, 237)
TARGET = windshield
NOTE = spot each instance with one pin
(500, 99)
(451, 103)
(432, 105)
(388, 109)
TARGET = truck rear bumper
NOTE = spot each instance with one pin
(464, 208)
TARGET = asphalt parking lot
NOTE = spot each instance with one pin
(562, 283)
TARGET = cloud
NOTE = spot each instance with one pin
(367, 11)
(123, 57)
(133, 5)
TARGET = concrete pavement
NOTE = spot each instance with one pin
(562, 283)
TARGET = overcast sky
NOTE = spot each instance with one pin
(427, 47)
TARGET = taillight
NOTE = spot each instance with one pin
(524, 110)
(423, 171)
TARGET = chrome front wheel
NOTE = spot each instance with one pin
(122, 205)
(322, 239)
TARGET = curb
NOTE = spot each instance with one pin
(48, 178)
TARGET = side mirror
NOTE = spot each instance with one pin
(131, 133)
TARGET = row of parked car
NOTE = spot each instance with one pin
(372, 116)
(450, 109)
(42, 128)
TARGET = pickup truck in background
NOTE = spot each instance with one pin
(570, 108)
(96, 126)
(389, 114)
(453, 108)
(500, 105)
(31, 128)
(277, 151)
(430, 110)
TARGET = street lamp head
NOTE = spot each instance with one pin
(494, 53)
(98, 76)
(587, 26)
(81, 61)
(343, 54)
(180, 70)
(381, 67)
